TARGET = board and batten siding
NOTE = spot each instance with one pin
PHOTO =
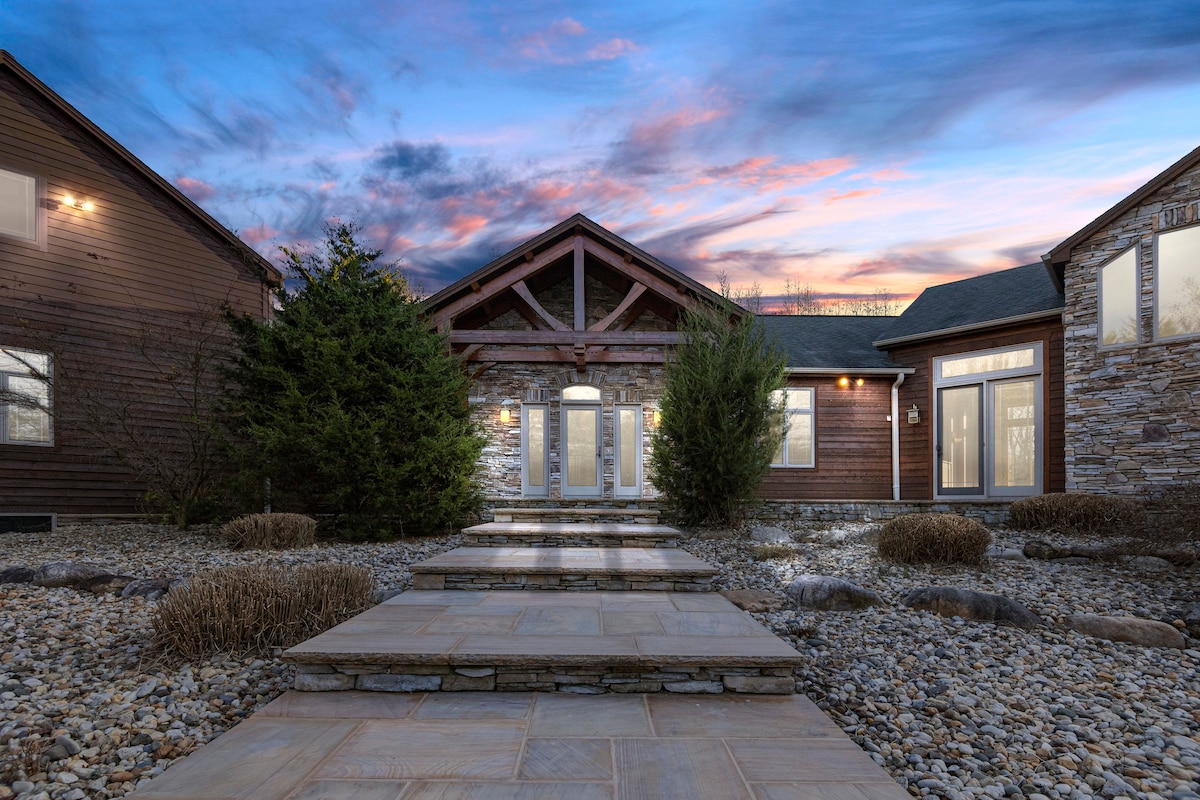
(917, 441)
(853, 444)
(138, 271)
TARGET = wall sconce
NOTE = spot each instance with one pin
(859, 382)
(914, 415)
(843, 382)
(82, 205)
(505, 412)
(656, 415)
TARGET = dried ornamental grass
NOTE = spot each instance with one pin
(269, 532)
(1079, 514)
(933, 539)
(249, 610)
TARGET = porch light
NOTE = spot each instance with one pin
(505, 412)
(656, 416)
(82, 205)
(859, 382)
(843, 382)
(914, 415)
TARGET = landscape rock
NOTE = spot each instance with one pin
(825, 593)
(149, 588)
(16, 575)
(755, 600)
(105, 584)
(1144, 632)
(1191, 618)
(969, 604)
(1005, 553)
(1151, 564)
(764, 534)
(56, 574)
(1039, 548)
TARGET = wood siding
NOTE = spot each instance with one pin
(917, 441)
(107, 287)
(853, 444)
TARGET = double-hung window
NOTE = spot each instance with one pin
(24, 397)
(798, 438)
(20, 216)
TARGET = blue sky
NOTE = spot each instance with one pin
(851, 145)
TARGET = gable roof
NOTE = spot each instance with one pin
(543, 241)
(1055, 261)
(830, 343)
(1003, 297)
(266, 269)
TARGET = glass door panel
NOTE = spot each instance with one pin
(534, 447)
(1015, 468)
(628, 448)
(581, 451)
(960, 440)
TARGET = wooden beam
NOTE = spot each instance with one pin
(504, 281)
(567, 357)
(523, 292)
(652, 282)
(580, 307)
(590, 338)
(634, 293)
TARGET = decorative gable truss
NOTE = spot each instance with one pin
(576, 294)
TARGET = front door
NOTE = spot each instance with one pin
(988, 435)
(960, 440)
(581, 466)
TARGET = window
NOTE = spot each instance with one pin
(796, 448)
(19, 206)
(24, 397)
(1119, 298)
(535, 450)
(1177, 283)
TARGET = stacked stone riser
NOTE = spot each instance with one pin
(547, 540)
(567, 583)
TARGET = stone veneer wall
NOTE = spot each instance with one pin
(1131, 410)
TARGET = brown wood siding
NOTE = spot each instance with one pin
(916, 441)
(853, 444)
(138, 268)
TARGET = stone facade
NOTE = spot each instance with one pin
(1131, 409)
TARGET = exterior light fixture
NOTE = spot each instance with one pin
(914, 415)
(859, 382)
(656, 416)
(82, 205)
(843, 382)
(506, 412)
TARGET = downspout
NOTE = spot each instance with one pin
(896, 435)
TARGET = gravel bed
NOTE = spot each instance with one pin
(951, 708)
(955, 708)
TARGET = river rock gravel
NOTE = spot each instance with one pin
(951, 708)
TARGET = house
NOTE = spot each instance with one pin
(105, 267)
(1131, 280)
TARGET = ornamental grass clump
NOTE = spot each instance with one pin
(1079, 515)
(249, 610)
(933, 539)
(269, 532)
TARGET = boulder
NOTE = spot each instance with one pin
(1039, 548)
(968, 604)
(825, 593)
(149, 588)
(1191, 618)
(56, 574)
(1151, 564)
(105, 584)
(753, 599)
(764, 534)
(997, 553)
(1135, 630)
(16, 575)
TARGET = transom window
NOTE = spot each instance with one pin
(18, 206)
(1119, 295)
(1177, 283)
(797, 439)
(24, 397)
(581, 391)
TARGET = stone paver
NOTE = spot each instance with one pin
(528, 746)
(563, 534)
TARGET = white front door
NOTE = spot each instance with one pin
(581, 464)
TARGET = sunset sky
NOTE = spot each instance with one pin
(851, 145)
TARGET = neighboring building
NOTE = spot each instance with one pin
(103, 267)
(1132, 338)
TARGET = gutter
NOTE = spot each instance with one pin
(896, 435)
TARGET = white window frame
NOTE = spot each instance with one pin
(1158, 283)
(1137, 297)
(38, 240)
(5, 374)
(788, 413)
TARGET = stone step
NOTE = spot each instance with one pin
(570, 534)
(586, 643)
(636, 516)
(565, 568)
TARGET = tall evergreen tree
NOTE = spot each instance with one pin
(350, 404)
(719, 423)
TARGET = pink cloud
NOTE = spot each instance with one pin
(837, 198)
(195, 188)
(463, 225)
(613, 48)
(763, 174)
(257, 234)
(885, 174)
